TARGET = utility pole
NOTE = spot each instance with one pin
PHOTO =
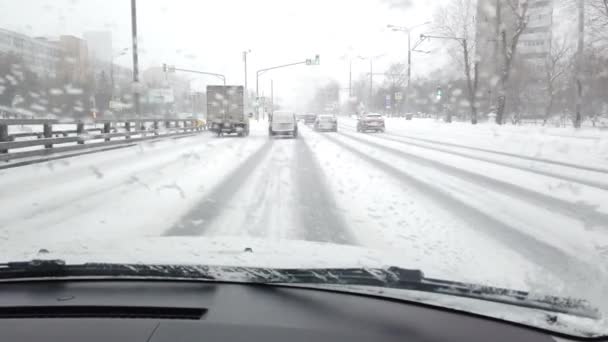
(245, 62)
(408, 30)
(350, 80)
(135, 61)
(371, 82)
(409, 58)
(579, 63)
(271, 97)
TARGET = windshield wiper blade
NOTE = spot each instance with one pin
(57, 268)
(406, 279)
(392, 278)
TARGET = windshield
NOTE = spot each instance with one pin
(471, 140)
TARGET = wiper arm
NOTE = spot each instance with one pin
(58, 268)
(392, 278)
(405, 279)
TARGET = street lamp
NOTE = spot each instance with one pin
(119, 54)
(371, 75)
(136, 88)
(408, 30)
(245, 62)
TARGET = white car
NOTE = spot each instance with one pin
(283, 123)
(326, 122)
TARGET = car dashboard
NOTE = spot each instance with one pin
(145, 310)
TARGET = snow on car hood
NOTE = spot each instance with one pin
(224, 251)
(249, 252)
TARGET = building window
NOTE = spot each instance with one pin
(18, 42)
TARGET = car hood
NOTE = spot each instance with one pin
(251, 252)
(224, 251)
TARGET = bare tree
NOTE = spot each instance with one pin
(557, 64)
(396, 75)
(597, 21)
(395, 79)
(508, 38)
(457, 21)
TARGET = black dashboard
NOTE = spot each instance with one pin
(174, 311)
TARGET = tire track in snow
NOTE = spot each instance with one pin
(201, 216)
(545, 255)
(43, 208)
(508, 154)
(320, 217)
(501, 163)
(585, 213)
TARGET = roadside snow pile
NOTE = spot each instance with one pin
(584, 146)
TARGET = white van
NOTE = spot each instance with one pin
(283, 123)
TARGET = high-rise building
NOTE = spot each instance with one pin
(74, 64)
(535, 41)
(39, 55)
(100, 45)
(101, 52)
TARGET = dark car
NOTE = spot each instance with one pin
(370, 122)
(309, 119)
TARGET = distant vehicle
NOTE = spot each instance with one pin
(201, 123)
(310, 118)
(301, 117)
(370, 122)
(409, 116)
(283, 123)
(326, 122)
(226, 110)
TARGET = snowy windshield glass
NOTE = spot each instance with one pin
(470, 140)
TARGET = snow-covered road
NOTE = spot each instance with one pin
(458, 207)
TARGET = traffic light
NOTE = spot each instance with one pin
(439, 94)
(315, 61)
(164, 67)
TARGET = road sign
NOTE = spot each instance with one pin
(398, 96)
(161, 95)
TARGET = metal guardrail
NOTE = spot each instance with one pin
(114, 132)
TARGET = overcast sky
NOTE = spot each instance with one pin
(211, 35)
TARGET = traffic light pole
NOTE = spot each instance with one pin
(220, 76)
(262, 71)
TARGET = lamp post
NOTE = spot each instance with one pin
(135, 58)
(408, 30)
(371, 76)
(121, 53)
(248, 51)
